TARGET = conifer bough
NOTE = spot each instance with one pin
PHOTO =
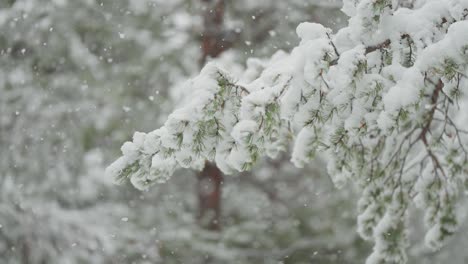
(383, 100)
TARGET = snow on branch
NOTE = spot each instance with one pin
(379, 98)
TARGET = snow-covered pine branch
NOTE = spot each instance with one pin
(380, 98)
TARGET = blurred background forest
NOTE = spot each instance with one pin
(79, 77)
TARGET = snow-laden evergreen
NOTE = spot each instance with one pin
(380, 99)
(76, 78)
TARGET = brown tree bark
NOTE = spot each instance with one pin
(214, 41)
(215, 38)
(209, 189)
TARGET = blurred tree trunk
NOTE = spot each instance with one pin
(214, 40)
(209, 186)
